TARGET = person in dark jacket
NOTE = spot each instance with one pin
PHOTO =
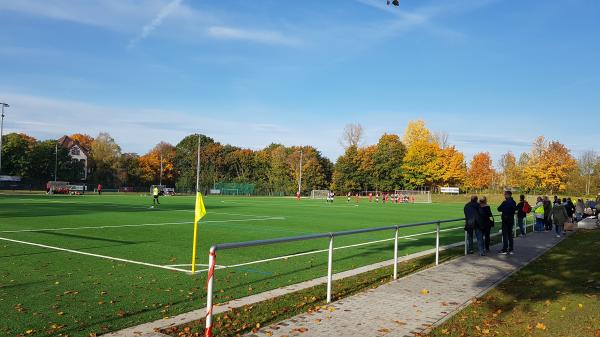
(570, 208)
(508, 209)
(547, 215)
(521, 215)
(487, 219)
(473, 225)
(559, 217)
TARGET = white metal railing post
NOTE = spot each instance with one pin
(209, 290)
(437, 243)
(396, 254)
(330, 269)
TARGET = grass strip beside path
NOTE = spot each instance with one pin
(556, 295)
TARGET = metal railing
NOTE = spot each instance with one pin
(331, 236)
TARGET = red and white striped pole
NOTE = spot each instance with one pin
(212, 260)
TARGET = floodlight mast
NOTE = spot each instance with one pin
(2, 131)
(161, 169)
(55, 160)
(300, 177)
(198, 168)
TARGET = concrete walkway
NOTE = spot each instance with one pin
(415, 303)
(151, 329)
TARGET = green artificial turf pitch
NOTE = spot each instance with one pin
(44, 290)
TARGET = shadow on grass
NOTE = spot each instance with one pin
(74, 207)
(545, 297)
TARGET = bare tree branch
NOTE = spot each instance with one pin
(352, 135)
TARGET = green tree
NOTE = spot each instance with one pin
(105, 153)
(16, 152)
(129, 170)
(43, 158)
(184, 162)
(388, 159)
(346, 174)
(281, 178)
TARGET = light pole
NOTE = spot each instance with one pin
(300, 175)
(161, 169)
(2, 131)
(55, 160)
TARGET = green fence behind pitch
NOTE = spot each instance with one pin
(235, 188)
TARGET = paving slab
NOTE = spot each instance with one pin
(415, 303)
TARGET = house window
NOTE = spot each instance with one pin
(75, 151)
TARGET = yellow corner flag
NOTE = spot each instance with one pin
(200, 210)
(199, 213)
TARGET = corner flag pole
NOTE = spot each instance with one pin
(195, 244)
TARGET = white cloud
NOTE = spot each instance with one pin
(260, 36)
(138, 129)
(157, 21)
(110, 14)
(427, 17)
(127, 16)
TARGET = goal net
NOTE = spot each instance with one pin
(230, 191)
(319, 194)
(414, 196)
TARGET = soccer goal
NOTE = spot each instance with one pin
(414, 196)
(319, 194)
(230, 191)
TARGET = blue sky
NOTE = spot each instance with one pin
(493, 74)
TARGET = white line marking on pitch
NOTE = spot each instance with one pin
(94, 255)
(138, 225)
(406, 237)
(42, 201)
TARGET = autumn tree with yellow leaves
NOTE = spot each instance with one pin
(420, 163)
(549, 166)
(480, 174)
(510, 172)
(150, 164)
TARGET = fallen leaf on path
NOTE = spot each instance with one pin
(540, 326)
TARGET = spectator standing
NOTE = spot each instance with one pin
(508, 209)
(99, 188)
(569, 207)
(473, 225)
(579, 210)
(559, 217)
(547, 215)
(487, 219)
(539, 211)
(523, 208)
